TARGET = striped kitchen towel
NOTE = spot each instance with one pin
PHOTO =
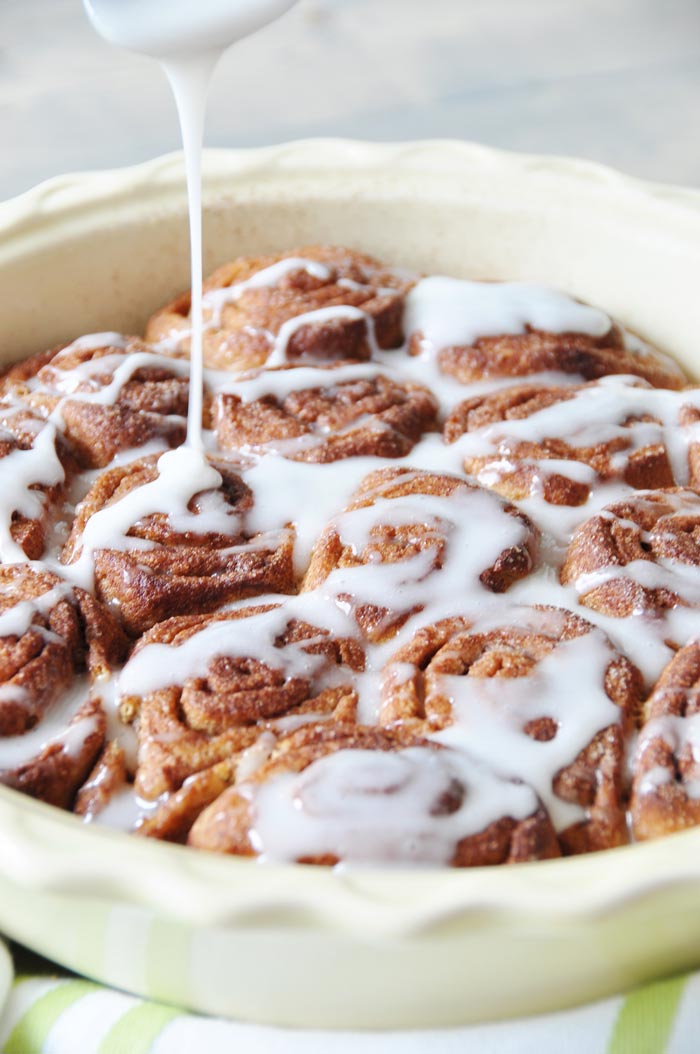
(54, 1015)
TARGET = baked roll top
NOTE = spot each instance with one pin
(475, 331)
(639, 556)
(413, 539)
(560, 443)
(314, 304)
(368, 795)
(57, 645)
(203, 688)
(541, 697)
(323, 415)
(106, 393)
(666, 762)
(156, 549)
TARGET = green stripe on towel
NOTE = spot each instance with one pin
(646, 1018)
(135, 1032)
(29, 1034)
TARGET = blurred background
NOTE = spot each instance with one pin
(616, 81)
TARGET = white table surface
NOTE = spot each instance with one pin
(612, 80)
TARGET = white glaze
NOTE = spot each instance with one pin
(278, 355)
(449, 312)
(84, 380)
(54, 728)
(473, 530)
(169, 493)
(20, 472)
(16, 620)
(189, 41)
(376, 807)
(681, 735)
(490, 715)
(599, 413)
(214, 300)
(160, 665)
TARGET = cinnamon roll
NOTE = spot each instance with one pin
(109, 393)
(481, 330)
(559, 443)
(368, 795)
(418, 537)
(366, 416)
(540, 696)
(666, 766)
(35, 466)
(63, 759)
(315, 304)
(202, 689)
(49, 634)
(192, 556)
(641, 555)
(49, 631)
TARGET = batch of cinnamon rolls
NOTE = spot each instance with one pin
(431, 599)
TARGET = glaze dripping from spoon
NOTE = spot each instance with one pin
(188, 40)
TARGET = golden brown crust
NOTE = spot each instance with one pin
(369, 417)
(242, 337)
(181, 570)
(172, 819)
(391, 543)
(654, 527)
(666, 770)
(537, 351)
(55, 632)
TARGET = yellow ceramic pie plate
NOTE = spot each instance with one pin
(310, 946)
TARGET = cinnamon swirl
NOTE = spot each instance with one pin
(641, 555)
(543, 698)
(361, 416)
(110, 393)
(224, 679)
(372, 795)
(35, 468)
(562, 442)
(148, 567)
(479, 330)
(315, 304)
(51, 633)
(412, 535)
